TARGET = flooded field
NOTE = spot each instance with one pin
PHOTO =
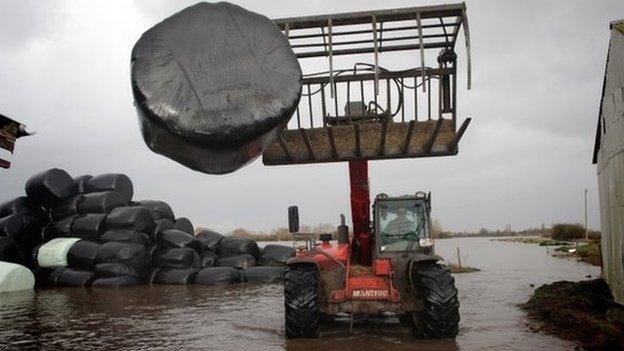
(246, 317)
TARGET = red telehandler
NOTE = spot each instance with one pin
(389, 263)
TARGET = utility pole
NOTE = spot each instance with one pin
(586, 235)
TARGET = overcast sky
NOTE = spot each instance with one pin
(524, 160)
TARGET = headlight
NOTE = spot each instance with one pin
(425, 242)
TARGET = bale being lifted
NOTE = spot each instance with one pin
(214, 85)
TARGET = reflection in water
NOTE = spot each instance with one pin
(247, 317)
(369, 337)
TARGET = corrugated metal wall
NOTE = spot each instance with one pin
(610, 167)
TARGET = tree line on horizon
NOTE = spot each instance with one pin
(559, 231)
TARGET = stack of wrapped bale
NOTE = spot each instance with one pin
(240, 259)
(271, 264)
(123, 258)
(209, 274)
(87, 231)
(21, 222)
(176, 252)
(83, 214)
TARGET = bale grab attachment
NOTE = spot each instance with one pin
(365, 111)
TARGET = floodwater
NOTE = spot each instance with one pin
(247, 317)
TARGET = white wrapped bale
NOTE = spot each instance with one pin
(15, 277)
(54, 252)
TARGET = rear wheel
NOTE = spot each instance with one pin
(440, 316)
(301, 305)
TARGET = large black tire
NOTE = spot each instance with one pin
(440, 316)
(301, 302)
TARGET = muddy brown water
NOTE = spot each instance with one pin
(247, 317)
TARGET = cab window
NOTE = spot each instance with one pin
(401, 222)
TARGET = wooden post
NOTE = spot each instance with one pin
(586, 233)
(458, 258)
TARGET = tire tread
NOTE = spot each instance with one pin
(301, 303)
(440, 317)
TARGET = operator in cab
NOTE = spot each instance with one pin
(401, 225)
(408, 225)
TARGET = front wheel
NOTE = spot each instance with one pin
(301, 305)
(440, 316)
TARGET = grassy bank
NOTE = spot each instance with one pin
(534, 240)
(588, 252)
(582, 311)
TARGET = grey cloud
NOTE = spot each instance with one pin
(524, 161)
(41, 17)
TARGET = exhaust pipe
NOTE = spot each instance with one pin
(343, 231)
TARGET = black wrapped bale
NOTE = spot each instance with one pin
(55, 275)
(232, 246)
(10, 225)
(24, 206)
(243, 261)
(174, 276)
(10, 251)
(184, 224)
(176, 238)
(24, 229)
(208, 259)
(116, 282)
(159, 209)
(125, 235)
(218, 275)
(130, 254)
(161, 226)
(177, 257)
(82, 255)
(42, 275)
(72, 277)
(131, 217)
(101, 202)
(118, 270)
(119, 183)
(80, 183)
(66, 208)
(276, 255)
(209, 239)
(213, 86)
(50, 187)
(89, 226)
(58, 229)
(48, 276)
(264, 275)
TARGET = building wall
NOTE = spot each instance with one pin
(610, 167)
